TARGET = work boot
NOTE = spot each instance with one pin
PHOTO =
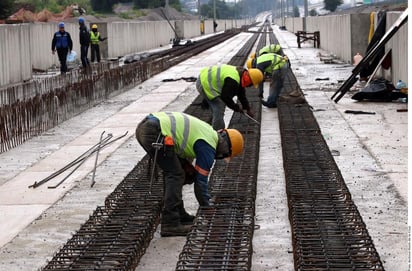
(168, 230)
(186, 219)
(268, 105)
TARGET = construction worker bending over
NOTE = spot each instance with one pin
(63, 44)
(275, 66)
(271, 48)
(94, 43)
(184, 138)
(220, 84)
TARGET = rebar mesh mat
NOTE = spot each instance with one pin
(328, 232)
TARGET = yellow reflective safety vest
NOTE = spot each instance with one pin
(212, 79)
(94, 38)
(277, 61)
(185, 131)
(271, 48)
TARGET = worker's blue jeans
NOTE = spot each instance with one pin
(147, 132)
(276, 86)
(216, 105)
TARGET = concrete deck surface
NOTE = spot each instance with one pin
(371, 154)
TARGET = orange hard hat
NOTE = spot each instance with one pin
(236, 142)
(256, 76)
(249, 63)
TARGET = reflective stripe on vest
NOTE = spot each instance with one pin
(173, 129)
(212, 79)
(94, 39)
(276, 60)
(185, 131)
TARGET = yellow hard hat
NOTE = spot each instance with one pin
(253, 55)
(236, 142)
(94, 26)
(249, 63)
(256, 76)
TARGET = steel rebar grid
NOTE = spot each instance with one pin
(123, 227)
(221, 236)
(328, 232)
(116, 235)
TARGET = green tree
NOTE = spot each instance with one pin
(296, 12)
(313, 12)
(6, 8)
(102, 5)
(156, 3)
(331, 5)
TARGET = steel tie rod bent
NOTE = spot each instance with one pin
(82, 162)
(95, 161)
(79, 159)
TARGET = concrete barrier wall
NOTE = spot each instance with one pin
(399, 46)
(336, 40)
(294, 24)
(15, 57)
(129, 37)
(27, 46)
(341, 35)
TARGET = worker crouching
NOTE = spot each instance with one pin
(184, 138)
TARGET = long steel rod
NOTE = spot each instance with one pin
(95, 161)
(66, 167)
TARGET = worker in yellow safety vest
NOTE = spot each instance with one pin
(220, 84)
(174, 140)
(276, 66)
(271, 48)
(94, 42)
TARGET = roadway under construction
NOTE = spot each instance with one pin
(327, 230)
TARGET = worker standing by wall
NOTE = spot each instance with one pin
(182, 138)
(63, 44)
(94, 43)
(84, 37)
(220, 84)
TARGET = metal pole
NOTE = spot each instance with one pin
(306, 14)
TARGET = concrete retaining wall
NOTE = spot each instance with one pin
(15, 57)
(346, 35)
(399, 46)
(27, 46)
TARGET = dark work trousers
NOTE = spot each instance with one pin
(95, 52)
(216, 105)
(147, 132)
(276, 86)
(62, 53)
(83, 55)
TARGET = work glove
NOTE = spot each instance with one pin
(190, 172)
(238, 108)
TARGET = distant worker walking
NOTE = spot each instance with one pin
(220, 84)
(94, 41)
(84, 37)
(63, 44)
(174, 139)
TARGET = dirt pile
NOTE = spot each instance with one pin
(27, 16)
